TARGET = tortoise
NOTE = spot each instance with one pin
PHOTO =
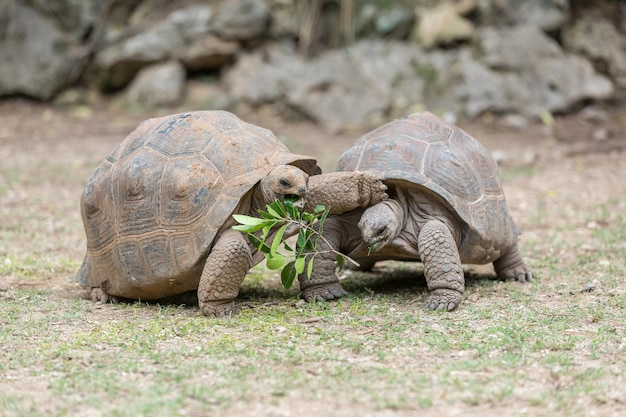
(446, 206)
(157, 211)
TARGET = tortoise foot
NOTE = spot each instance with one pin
(519, 273)
(323, 292)
(218, 308)
(444, 299)
(99, 295)
(511, 267)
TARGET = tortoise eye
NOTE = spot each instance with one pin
(380, 230)
(285, 183)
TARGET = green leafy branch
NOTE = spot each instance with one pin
(286, 217)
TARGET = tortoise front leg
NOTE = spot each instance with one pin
(324, 283)
(344, 191)
(511, 267)
(442, 266)
(224, 272)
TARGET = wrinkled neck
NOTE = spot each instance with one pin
(261, 196)
(398, 210)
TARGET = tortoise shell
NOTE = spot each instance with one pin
(423, 150)
(154, 206)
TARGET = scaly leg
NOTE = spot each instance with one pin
(511, 267)
(224, 272)
(442, 266)
(324, 283)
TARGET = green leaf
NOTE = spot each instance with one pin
(243, 219)
(277, 239)
(274, 213)
(322, 220)
(258, 243)
(290, 199)
(302, 238)
(266, 231)
(265, 215)
(278, 207)
(341, 261)
(251, 224)
(309, 244)
(293, 212)
(319, 208)
(299, 265)
(287, 247)
(309, 270)
(274, 262)
(288, 274)
(309, 218)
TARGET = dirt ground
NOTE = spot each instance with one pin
(555, 176)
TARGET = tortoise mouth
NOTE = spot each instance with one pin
(294, 200)
(374, 245)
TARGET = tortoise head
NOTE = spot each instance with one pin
(379, 225)
(285, 180)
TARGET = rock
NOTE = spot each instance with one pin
(442, 25)
(285, 22)
(157, 86)
(208, 96)
(483, 89)
(122, 60)
(524, 71)
(548, 15)
(38, 60)
(242, 19)
(392, 22)
(599, 40)
(209, 52)
(339, 89)
(75, 17)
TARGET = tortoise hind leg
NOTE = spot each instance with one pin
(511, 267)
(224, 272)
(442, 266)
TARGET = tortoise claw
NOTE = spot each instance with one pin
(99, 295)
(443, 299)
(218, 308)
(324, 292)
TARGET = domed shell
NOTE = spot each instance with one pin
(428, 152)
(152, 209)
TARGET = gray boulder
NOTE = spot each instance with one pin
(158, 85)
(524, 71)
(38, 60)
(599, 40)
(341, 89)
(75, 17)
(122, 60)
(208, 52)
(549, 15)
(242, 19)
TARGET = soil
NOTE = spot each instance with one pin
(554, 175)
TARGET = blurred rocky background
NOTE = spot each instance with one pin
(344, 64)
